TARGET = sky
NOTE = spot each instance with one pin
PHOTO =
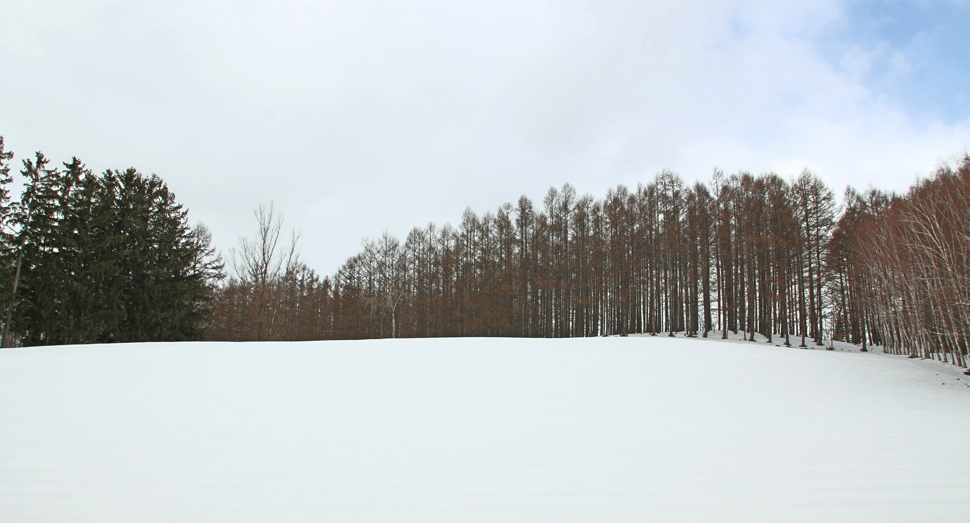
(363, 116)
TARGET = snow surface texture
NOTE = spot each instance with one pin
(604, 429)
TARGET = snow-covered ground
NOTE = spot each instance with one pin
(463, 430)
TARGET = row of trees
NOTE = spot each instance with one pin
(901, 266)
(743, 253)
(99, 258)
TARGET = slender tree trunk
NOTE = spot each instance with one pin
(16, 281)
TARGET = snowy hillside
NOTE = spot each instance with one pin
(601, 429)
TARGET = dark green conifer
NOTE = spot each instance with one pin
(108, 258)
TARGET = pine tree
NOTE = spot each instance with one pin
(107, 258)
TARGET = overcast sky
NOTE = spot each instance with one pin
(361, 116)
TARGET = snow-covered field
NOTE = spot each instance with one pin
(463, 430)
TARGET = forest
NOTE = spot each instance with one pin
(783, 258)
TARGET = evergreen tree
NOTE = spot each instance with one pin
(107, 258)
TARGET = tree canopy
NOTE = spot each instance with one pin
(103, 258)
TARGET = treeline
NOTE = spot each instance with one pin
(901, 267)
(99, 258)
(742, 253)
(109, 258)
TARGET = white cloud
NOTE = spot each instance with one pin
(360, 116)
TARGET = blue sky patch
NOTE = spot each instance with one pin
(917, 54)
